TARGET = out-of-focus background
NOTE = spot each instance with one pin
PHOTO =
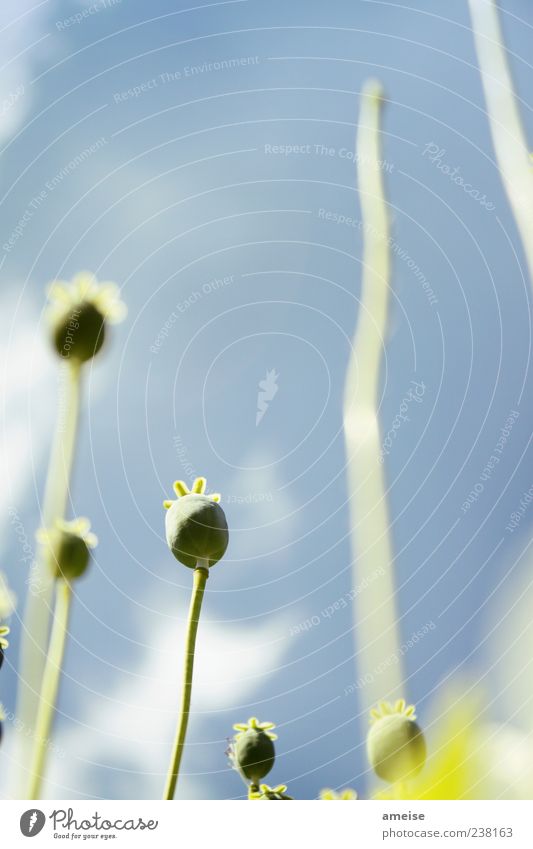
(202, 156)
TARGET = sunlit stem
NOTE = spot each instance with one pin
(378, 643)
(508, 136)
(201, 573)
(36, 622)
(49, 690)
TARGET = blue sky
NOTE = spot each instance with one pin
(151, 148)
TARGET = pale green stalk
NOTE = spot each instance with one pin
(36, 622)
(200, 576)
(508, 136)
(50, 686)
(377, 631)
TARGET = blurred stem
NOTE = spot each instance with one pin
(508, 136)
(36, 623)
(50, 686)
(378, 644)
(201, 574)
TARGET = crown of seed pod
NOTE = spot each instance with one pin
(346, 795)
(266, 793)
(7, 606)
(396, 747)
(252, 752)
(196, 527)
(69, 546)
(78, 315)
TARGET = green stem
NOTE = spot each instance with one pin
(373, 558)
(35, 631)
(50, 686)
(60, 470)
(201, 573)
(508, 134)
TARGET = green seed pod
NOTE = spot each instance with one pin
(396, 746)
(196, 527)
(79, 313)
(69, 545)
(253, 752)
(4, 631)
(79, 332)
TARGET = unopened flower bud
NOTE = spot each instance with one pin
(253, 752)
(4, 631)
(196, 527)
(78, 315)
(69, 545)
(396, 746)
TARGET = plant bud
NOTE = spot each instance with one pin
(79, 332)
(196, 527)
(69, 545)
(253, 752)
(396, 746)
(4, 631)
(79, 313)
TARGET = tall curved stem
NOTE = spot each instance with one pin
(50, 687)
(201, 573)
(36, 622)
(373, 562)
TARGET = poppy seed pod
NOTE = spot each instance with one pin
(79, 313)
(396, 746)
(79, 332)
(4, 631)
(253, 752)
(196, 527)
(69, 547)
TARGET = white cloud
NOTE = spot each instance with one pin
(23, 39)
(28, 382)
